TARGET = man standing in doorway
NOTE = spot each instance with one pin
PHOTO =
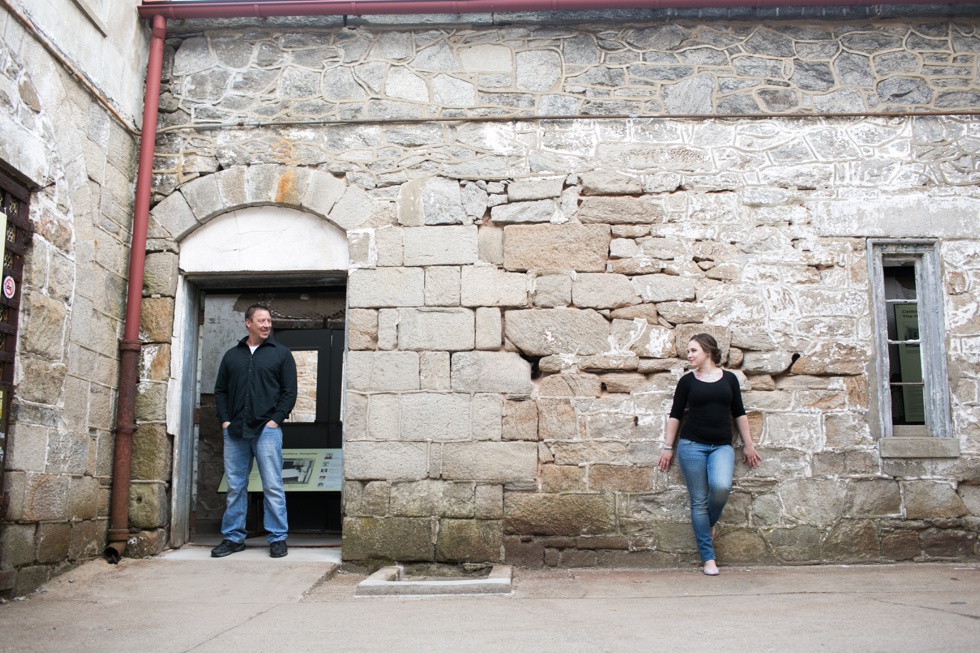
(255, 391)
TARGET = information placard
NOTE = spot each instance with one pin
(303, 470)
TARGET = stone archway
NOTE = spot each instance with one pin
(304, 221)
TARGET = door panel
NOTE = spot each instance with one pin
(316, 511)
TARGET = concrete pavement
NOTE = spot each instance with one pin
(186, 601)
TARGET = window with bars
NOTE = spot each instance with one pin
(913, 393)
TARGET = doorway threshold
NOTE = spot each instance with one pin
(295, 540)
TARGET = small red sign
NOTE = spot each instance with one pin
(9, 287)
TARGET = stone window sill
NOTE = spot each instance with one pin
(918, 447)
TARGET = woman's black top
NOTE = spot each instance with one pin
(711, 407)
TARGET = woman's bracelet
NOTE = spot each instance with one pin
(668, 447)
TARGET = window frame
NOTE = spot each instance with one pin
(932, 333)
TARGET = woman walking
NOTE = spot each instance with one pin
(704, 450)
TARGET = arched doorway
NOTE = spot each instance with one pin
(296, 263)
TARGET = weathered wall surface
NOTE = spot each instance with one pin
(80, 162)
(103, 41)
(522, 289)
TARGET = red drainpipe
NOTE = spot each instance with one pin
(129, 347)
(265, 8)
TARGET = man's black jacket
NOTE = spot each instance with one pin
(253, 389)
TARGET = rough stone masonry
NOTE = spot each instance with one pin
(529, 259)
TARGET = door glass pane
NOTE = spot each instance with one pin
(900, 280)
(904, 357)
(306, 371)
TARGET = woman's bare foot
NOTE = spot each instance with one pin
(710, 568)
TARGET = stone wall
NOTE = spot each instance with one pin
(79, 161)
(529, 262)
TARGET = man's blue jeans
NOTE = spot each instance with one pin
(707, 470)
(267, 451)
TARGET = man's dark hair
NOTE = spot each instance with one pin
(250, 311)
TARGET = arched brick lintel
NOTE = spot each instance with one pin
(201, 200)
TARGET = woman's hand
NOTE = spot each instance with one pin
(751, 456)
(666, 455)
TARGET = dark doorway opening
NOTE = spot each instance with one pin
(311, 322)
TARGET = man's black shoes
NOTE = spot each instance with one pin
(226, 548)
(278, 549)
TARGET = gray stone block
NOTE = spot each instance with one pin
(441, 202)
(593, 290)
(388, 329)
(160, 274)
(442, 286)
(607, 182)
(553, 290)
(902, 215)
(570, 385)
(498, 462)
(435, 416)
(475, 200)
(525, 212)
(470, 540)
(489, 501)
(175, 215)
(775, 362)
(391, 461)
(524, 190)
(537, 70)
(261, 182)
(362, 328)
(434, 370)
(149, 506)
(384, 417)
(231, 186)
(444, 329)
(353, 209)
(491, 244)
(450, 245)
(392, 538)
(653, 341)
(665, 287)
(432, 498)
(479, 371)
(356, 416)
(486, 414)
(489, 329)
(559, 514)
(556, 247)
(370, 371)
(390, 249)
(488, 286)
(361, 249)
(557, 331)
(620, 210)
(386, 287)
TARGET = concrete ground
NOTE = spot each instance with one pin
(186, 601)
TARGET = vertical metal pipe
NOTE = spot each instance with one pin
(129, 347)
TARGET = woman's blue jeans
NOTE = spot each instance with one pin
(239, 453)
(707, 470)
